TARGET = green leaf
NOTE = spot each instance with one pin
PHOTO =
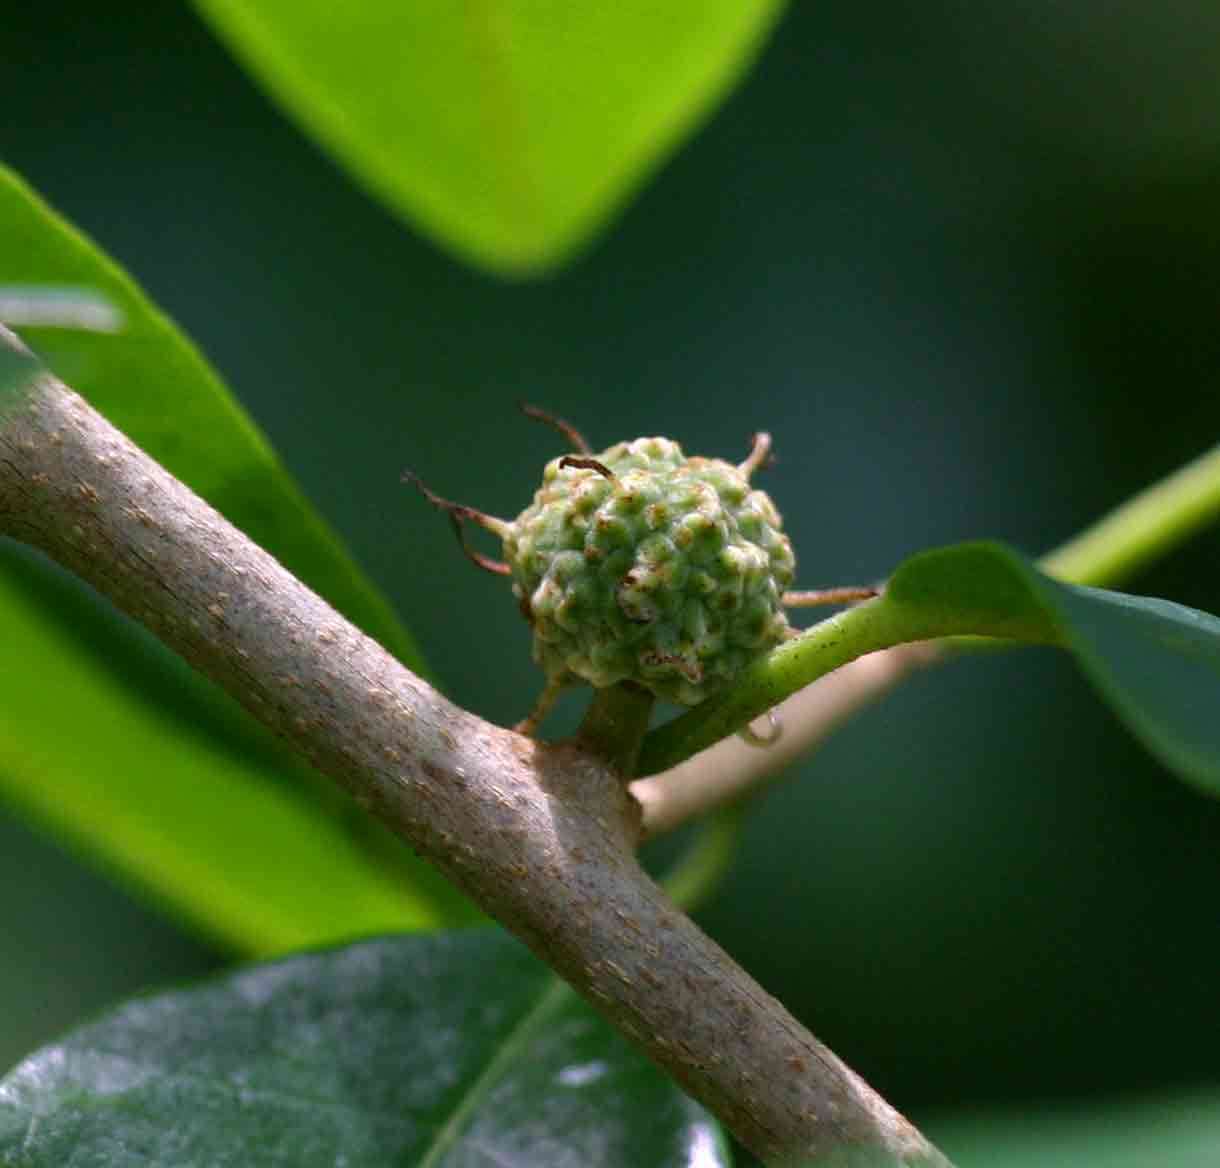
(509, 130)
(1157, 663)
(154, 385)
(1175, 1132)
(444, 1050)
(116, 743)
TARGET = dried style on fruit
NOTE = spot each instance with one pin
(643, 565)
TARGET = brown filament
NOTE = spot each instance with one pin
(588, 464)
(828, 596)
(570, 432)
(459, 516)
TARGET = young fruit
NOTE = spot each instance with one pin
(643, 565)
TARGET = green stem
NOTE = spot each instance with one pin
(615, 723)
(1142, 528)
(702, 866)
(879, 624)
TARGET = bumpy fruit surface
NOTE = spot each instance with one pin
(668, 572)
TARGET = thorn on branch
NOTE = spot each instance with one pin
(459, 515)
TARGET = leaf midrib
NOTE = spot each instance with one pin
(553, 995)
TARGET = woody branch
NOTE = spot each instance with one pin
(542, 836)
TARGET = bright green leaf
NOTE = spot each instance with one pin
(118, 745)
(433, 1051)
(1175, 1132)
(509, 130)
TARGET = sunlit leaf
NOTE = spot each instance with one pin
(114, 742)
(508, 130)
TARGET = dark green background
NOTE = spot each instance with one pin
(963, 260)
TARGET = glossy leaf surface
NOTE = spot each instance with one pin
(113, 741)
(510, 131)
(430, 1051)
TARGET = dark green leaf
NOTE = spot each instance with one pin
(1157, 663)
(117, 744)
(509, 130)
(437, 1051)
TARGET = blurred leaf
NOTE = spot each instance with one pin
(1176, 1132)
(120, 746)
(153, 384)
(450, 1049)
(508, 130)
(1156, 662)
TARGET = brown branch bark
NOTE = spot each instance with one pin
(542, 836)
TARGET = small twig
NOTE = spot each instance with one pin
(570, 432)
(731, 770)
(543, 706)
(824, 596)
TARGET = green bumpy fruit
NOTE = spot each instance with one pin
(666, 571)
